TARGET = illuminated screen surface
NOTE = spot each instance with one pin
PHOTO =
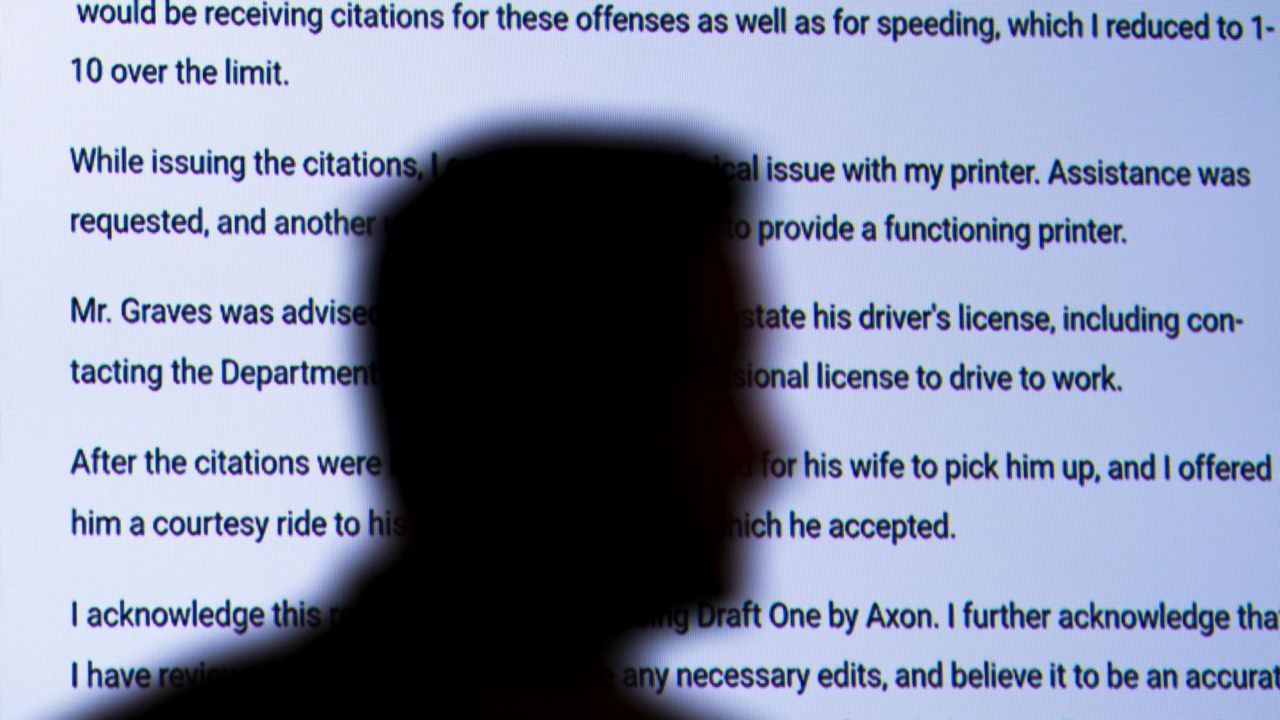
(1015, 326)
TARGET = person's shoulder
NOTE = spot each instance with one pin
(600, 703)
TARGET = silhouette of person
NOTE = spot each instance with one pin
(557, 322)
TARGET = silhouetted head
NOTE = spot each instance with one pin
(557, 326)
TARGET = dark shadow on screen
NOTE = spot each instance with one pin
(557, 325)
